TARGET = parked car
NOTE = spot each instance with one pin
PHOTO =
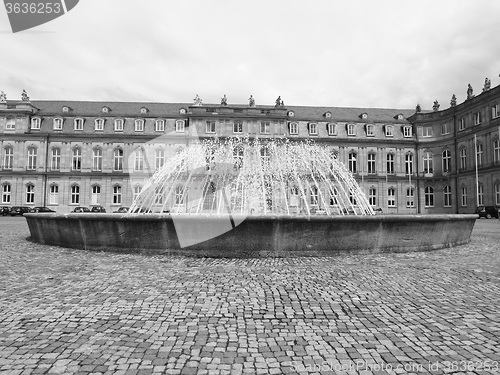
(81, 209)
(488, 211)
(121, 210)
(98, 209)
(5, 210)
(42, 209)
(19, 211)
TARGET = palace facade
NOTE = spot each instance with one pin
(63, 154)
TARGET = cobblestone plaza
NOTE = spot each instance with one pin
(68, 311)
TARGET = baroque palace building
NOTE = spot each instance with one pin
(63, 154)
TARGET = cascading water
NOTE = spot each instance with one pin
(253, 177)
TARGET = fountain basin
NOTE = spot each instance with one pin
(255, 236)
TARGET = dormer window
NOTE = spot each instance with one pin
(35, 123)
(294, 128)
(105, 109)
(364, 116)
(407, 131)
(58, 123)
(160, 125)
(78, 124)
(331, 128)
(118, 125)
(144, 110)
(139, 125)
(65, 109)
(291, 113)
(351, 129)
(99, 124)
(370, 130)
(313, 128)
(389, 131)
(328, 114)
(180, 126)
(400, 117)
(182, 111)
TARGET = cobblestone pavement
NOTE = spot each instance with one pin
(68, 311)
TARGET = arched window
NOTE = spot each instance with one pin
(372, 165)
(6, 193)
(390, 163)
(463, 158)
(265, 156)
(352, 161)
(479, 154)
(30, 194)
(294, 128)
(118, 159)
(446, 161)
(159, 158)
(57, 123)
(447, 196)
(99, 124)
(55, 162)
(314, 195)
(35, 123)
(139, 125)
(32, 153)
(78, 124)
(97, 159)
(238, 157)
(429, 196)
(409, 164)
(76, 159)
(139, 159)
(75, 194)
(179, 195)
(180, 126)
(428, 162)
(8, 157)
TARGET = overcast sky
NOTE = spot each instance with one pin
(354, 53)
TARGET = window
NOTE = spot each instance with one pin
(495, 111)
(463, 191)
(118, 159)
(10, 124)
(409, 164)
(391, 197)
(238, 157)
(477, 118)
(390, 163)
(238, 126)
(78, 124)
(352, 161)
(97, 159)
(447, 196)
(496, 151)
(264, 127)
(30, 193)
(497, 193)
(137, 191)
(138, 160)
(57, 123)
(65, 109)
(180, 126)
(479, 154)
(95, 198)
(159, 158)
(314, 195)
(372, 196)
(352, 198)
(6, 192)
(159, 125)
(332, 129)
(428, 164)
(410, 200)
(210, 127)
(351, 129)
(8, 157)
(99, 124)
(54, 194)
(445, 128)
(407, 131)
(372, 163)
(294, 128)
(75, 194)
(265, 156)
(179, 195)
(461, 124)
(55, 162)
(35, 123)
(480, 195)
(429, 196)
(76, 159)
(333, 197)
(117, 194)
(446, 161)
(313, 129)
(370, 130)
(118, 125)
(389, 131)
(139, 125)
(463, 158)
(32, 152)
(427, 131)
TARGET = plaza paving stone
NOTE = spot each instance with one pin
(66, 311)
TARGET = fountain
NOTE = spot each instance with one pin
(240, 197)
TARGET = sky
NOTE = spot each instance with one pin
(352, 53)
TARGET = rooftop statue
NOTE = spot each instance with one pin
(223, 100)
(251, 101)
(453, 101)
(197, 101)
(435, 107)
(487, 84)
(418, 109)
(3, 97)
(470, 92)
(25, 97)
(279, 102)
